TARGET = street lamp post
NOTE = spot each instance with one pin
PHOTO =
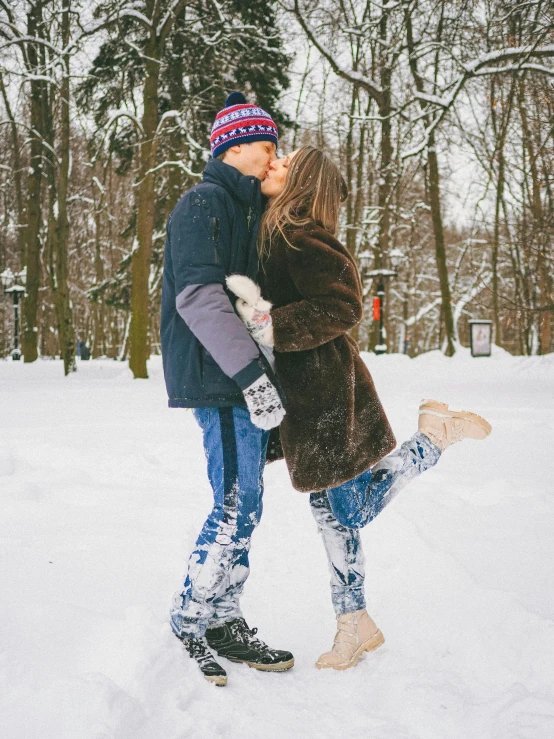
(379, 302)
(11, 287)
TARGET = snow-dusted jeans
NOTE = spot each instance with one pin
(341, 511)
(218, 567)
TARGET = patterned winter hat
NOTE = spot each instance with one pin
(241, 123)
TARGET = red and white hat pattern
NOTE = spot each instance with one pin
(241, 123)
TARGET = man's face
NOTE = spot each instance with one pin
(252, 159)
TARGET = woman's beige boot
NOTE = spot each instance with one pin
(445, 427)
(356, 633)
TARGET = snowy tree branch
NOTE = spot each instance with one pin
(167, 23)
(477, 68)
(423, 311)
(354, 77)
(131, 13)
(179, 164)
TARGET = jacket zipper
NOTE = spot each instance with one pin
(216, 238)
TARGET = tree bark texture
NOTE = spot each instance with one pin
(17, 181)
(440, 251)
(29, 343)
(539, 235)
(435, 195)
(142, 253)
(63, 304)
(99, 337)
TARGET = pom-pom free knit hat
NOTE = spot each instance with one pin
(241, 123)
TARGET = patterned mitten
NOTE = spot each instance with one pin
(264, 404)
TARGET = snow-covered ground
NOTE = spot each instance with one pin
(102, 493)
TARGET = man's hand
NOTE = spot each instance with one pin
(264, 404)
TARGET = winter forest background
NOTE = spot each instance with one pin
(441, 113)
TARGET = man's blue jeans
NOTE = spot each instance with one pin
(218, 567)
(341, 511)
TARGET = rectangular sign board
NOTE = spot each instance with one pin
(480, 338)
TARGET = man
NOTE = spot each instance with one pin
(212, 365)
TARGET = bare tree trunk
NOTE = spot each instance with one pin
(385, 173)
(440, 251)
(360, 171)
(142, 254)
(63, 304)
(435, 196)
(58, 224)
(21, 214)
(113, 323)
(349, 150)
(176, 178)
(99, 312)
(351, 225)
(501, 130)
(359, 202)
(496, 246)
(384, 193)
(537, 230)
(299, 99)
(29, 343)
(99, 340)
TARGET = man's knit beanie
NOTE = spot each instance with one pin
(241, 123)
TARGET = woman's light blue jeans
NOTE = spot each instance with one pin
(341, 511)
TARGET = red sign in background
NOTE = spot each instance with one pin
(376, 309)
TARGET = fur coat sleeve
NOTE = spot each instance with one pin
(327, 280)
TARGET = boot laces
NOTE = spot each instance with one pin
(240, 630)
(198, 650)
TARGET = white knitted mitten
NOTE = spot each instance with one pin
(252, 308)
(258, 323)
(264, 404)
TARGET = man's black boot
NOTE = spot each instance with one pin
(212, 671)
(235, 641)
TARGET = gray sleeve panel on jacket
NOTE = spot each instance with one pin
(208, 312)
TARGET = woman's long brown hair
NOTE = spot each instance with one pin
(314, 189)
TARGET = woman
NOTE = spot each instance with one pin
(335, 438)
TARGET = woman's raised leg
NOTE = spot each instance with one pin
(357, 502)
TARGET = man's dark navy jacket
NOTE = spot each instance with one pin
(208, 355)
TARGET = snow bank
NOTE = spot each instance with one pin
(103, 489)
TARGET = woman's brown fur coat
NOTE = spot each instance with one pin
(335, 427)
